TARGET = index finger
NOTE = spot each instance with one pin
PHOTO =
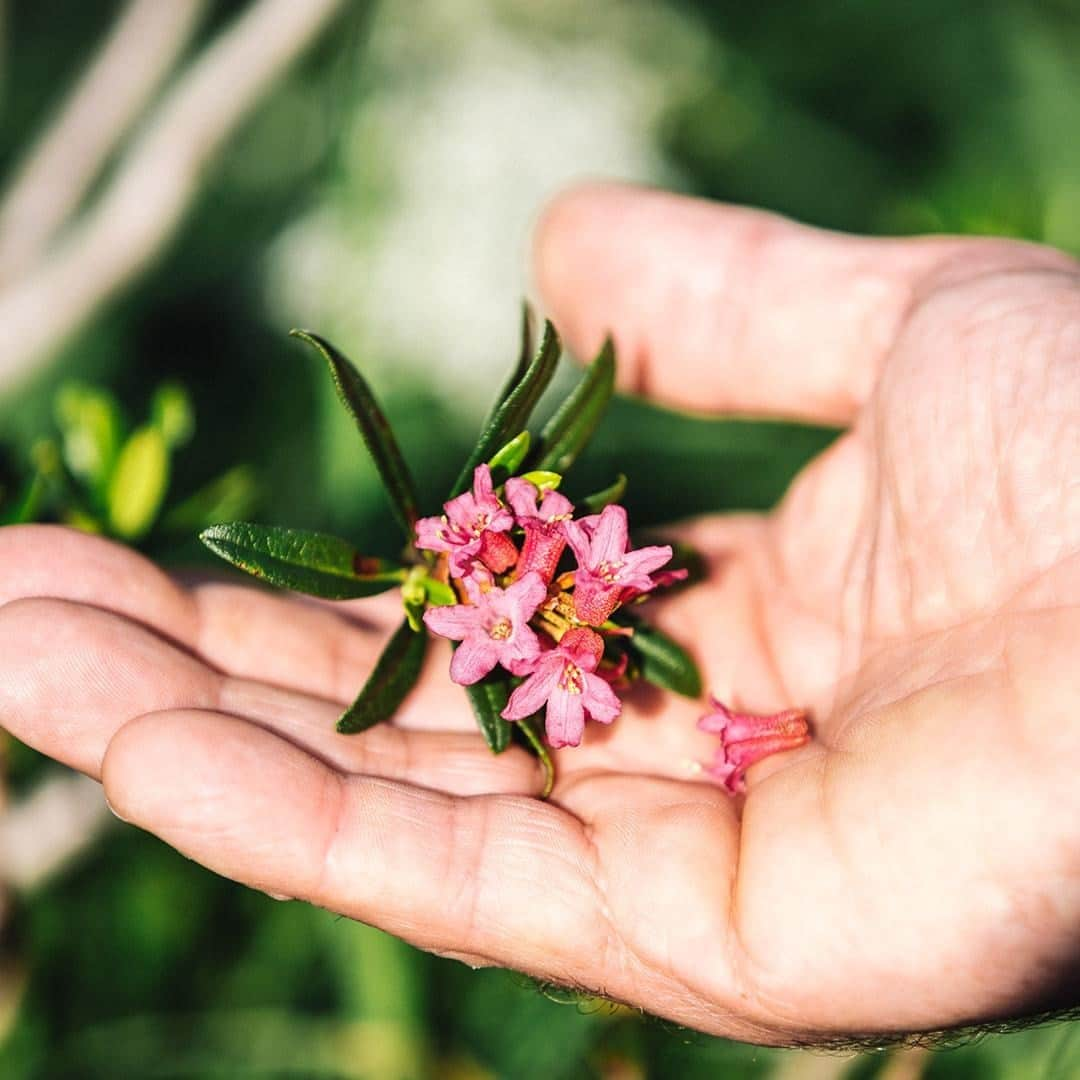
(723, 308)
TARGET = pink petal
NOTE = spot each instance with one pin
(522, 647)
(644, 561)
(521, 495)
(601, 702)
(555, 505)
(579, 541)
(530, 696)
(473, 659)
(453, 621)
(483, 489)
(565, 720)
(525, 596)
(611, 537)
(430, 534)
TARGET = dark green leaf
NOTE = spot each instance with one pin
(525, 356)
(23, 506)
(357, 397)
(664, 663)
(593, 504)
(488, 698)
(567, 432)
(514, 412)
(394, 676)
(308, 562)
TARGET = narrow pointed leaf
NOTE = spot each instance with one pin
(138, 483)
(566, 434)
(665, 663)
(593, 504)
(488, 698)
(357, 397)
(23, 506)
(506, 461)
(525, 357)
(307, 562)
(394, 676)
(514, 412)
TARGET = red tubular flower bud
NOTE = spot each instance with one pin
(581, 640)
(497, 551)
(746, 738)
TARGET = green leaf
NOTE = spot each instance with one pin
(394, 676)
(307, 562)
(593, 504)
(488, 698)
(138, 483)
(172, 414)
(514, 412)
(506, 461)
(525, 357)
(357, 397)
(665, 663)
(24, 506)
(569, 430)
(543, 480)
(91, 430)
(233, 495)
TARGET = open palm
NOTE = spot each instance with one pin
(916, 866)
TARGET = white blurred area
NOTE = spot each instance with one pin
(416, 259)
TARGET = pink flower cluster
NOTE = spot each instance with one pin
(502, 555)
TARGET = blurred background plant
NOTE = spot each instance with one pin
(184, 180)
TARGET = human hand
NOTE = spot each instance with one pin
(916, 866)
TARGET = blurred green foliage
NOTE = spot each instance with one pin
(890, 117)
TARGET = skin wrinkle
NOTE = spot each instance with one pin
(339, 797)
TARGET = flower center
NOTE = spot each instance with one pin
(500, 630)
(571, 680)
(609, 571)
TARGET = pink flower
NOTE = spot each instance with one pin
(746, 738)
(563, 679)
(605, 568)
(462, 529)
(493, 629)
(543, 525)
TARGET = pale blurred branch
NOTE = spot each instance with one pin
(56, 174)
(155, 182)
(43, 831)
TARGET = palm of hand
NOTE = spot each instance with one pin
(912, 591)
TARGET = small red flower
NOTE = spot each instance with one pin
(493, 629)
(562, 679)
(606, 569)
(746, 738)
(545, 537)
(464, 527)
